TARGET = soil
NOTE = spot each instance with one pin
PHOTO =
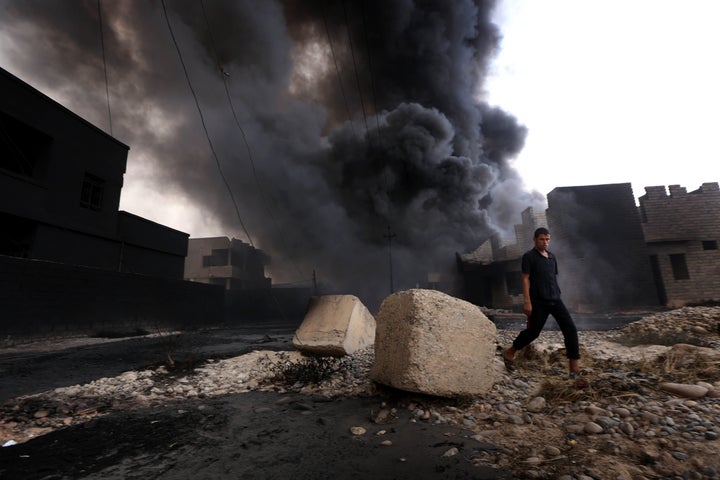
(259, 435)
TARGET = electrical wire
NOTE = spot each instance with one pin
(202, 119)
(102, 46)
(372, 75)
(337, 71)
(357, 75)
(223, 76)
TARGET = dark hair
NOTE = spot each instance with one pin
(541, 231)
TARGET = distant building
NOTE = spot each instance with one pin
(231, 263)
(682, 231)
(491, 273)
(604, 252)
(70, 261)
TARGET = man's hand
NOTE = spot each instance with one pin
(527, 308)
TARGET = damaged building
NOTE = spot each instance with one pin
(681, 232)
(612, 254)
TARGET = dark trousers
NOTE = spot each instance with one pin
(541, 309)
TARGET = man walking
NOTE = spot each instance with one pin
(541, 295)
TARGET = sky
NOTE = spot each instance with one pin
(314, 130)
(611, 91)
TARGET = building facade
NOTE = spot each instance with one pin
(682, 231)
(231, 263)
(491, 274)
(612, 254)
(60, 184)
(70, 261)
(603, 259)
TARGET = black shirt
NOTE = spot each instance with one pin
(543, 271)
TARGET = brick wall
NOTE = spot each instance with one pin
(686, 225)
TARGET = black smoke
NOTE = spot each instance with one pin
(360, 117)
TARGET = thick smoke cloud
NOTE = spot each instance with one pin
(359, 116)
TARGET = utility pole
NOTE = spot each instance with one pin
(390, 235)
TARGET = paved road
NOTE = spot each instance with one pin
(40, 366)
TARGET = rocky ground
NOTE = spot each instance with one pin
(652, 410)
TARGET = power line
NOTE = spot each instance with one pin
(337, 71)
(202, 120)
(224, 75)
(357, 75)
(372, 75)
(102, 46)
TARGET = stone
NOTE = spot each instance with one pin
(536, 405)
(592, 427)
(552, 451)
(335, 325)
(358, 430)
(432, 343)
(684, 390)
(451, 452)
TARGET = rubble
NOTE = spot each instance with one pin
(636, 420)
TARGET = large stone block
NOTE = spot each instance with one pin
(429, 342)
(335, 325)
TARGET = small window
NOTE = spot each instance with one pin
(218, 258)
(93, 189)
(710, 245)
(679, 266)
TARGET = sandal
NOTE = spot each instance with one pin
(580, 382)
(509, 364)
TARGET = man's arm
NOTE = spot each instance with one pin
(527, 304)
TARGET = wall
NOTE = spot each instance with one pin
(42, 298)
(685, 224)
(596, 235)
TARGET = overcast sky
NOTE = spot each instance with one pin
(612, 91)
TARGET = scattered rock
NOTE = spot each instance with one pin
(684, 390)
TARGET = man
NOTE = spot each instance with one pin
(541, 295)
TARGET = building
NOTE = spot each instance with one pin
(603, 260)
(70, 261)
(60, 183)
(491, 274)
(612, 253)
(231, 263)
(682, 231)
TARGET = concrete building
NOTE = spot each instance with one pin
(603, 260)
(682, 231)
(60, 183)
(69, 259)
(231, 263)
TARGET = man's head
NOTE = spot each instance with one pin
(541, 238)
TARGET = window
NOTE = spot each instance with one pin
(92, 192)
(218, 258)
(710, 245)
(23, 149)
(679, 266)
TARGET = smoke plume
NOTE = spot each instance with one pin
(357, 131)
